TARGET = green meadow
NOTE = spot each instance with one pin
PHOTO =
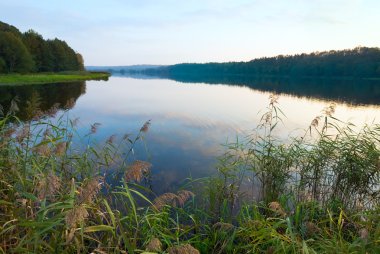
(42, 78)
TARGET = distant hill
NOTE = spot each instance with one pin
(121, 69)
(29, 52)
(360, 62)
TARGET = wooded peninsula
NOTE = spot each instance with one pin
(43, 60)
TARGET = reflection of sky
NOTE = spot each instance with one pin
(201, 105)
(191, 121)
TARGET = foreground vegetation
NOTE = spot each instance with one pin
(45, 78)
(63, 193)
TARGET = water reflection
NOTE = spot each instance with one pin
(350, 91)
(190, 121)
(33, 98)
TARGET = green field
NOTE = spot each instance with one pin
(41, 78)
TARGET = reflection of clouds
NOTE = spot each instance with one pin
(165, 179)
(212, 109)
(190, 122)
(208, 103)
(177, 147)
(174, 132)
(206, 141)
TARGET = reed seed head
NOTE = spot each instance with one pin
(89, 190)
(154, 245)
(183, 249)
(315, 121)
(75, 216)
(94, 128)
(183, 196)
(43, 150)
(47, 186)
(14, 107)
(329, 110)
(70, 235)
(23, 133)
(145, 127)
(277, 208)
(165, 199)
(60, 149)
(111, 139)
(137, 170)
(222, 226)
(172, 199)
(273, 98)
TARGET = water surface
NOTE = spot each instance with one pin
(189, 121)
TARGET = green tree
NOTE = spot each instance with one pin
(64, 57)
(58, 54)
(80, 61)
(2, 65)
(29, 52)
(15, 54)
(4, 27)
(37, 47)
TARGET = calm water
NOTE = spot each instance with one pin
(189, 120)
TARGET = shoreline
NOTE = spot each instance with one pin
(48, 78)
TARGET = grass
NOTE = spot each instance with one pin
(61, 192)
(42, 78)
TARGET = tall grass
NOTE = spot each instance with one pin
(64, 193)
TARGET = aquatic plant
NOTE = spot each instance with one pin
(64, 193)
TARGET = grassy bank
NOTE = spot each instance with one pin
(64, 193)
(42, 78)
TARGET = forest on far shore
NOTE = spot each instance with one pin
(360, 62)
(29, 52)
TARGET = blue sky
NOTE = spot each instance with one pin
(125, 32)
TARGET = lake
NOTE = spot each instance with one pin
(191, 118)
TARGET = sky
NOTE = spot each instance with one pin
(128, 32)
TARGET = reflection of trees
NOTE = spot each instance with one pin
(353, 91)
(34, 99)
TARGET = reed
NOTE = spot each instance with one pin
(64, 193)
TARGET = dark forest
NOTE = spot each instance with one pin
(360, 62)
(29, 52)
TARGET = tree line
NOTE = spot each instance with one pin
(29, 52)
(360, 62)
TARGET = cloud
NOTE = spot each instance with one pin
(171, 31)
